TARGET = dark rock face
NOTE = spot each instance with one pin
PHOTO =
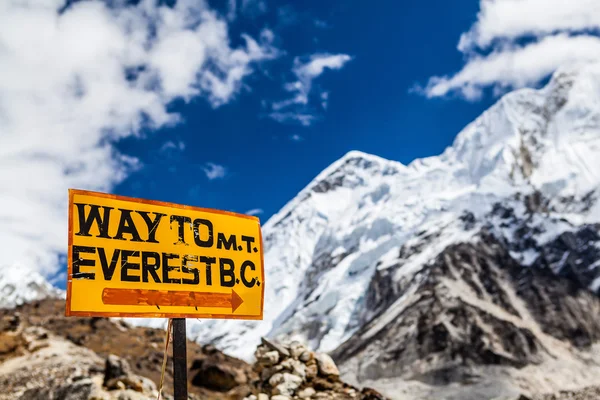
(219, 372)
(115, 367)
(474, 305)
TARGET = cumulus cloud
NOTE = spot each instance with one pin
(88, 75)
(214, 171)
(296, 107)
(517, 43)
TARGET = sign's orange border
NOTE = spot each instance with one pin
(69, 312)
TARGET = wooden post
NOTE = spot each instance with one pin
(179, 360)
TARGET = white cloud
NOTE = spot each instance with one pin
(214, 171)
(253, 8)
(231, 10)
(171, 145)
(511, 19)
(297, 138)
(254, 211)
(517, 43)
(293, 117)
(84, 78)
(306, 72)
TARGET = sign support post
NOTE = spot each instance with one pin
(179, 359)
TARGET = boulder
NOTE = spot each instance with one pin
(115, 367)
(326, 365)
(269, 358)
(217, 376)
(306, 393)
(274, 346)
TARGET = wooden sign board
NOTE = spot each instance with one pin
(139, 258)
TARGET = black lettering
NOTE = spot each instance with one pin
(126, 266)
(247, 283)
(166, 268)
(180, 231)
(209, 261)
(203, 243)
(79, 262)
(222, 241)
(186, 270)
(85, 224)
(151, 224)
(126, 225)
(108, 270)
(249, 240)
(227, 272)
(150, 267)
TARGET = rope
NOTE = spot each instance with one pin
(164, 364)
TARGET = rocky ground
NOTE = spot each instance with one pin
(46, 356)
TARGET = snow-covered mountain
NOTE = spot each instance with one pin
(487, 255)
(19, 285)
(535, 153)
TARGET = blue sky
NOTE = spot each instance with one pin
(370, 106)
(238, 104)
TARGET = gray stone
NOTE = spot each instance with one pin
(274, 346)
(295, 367)
(306, 393)
(115, 367)
(80, 390)
(287, 384)
(296, 349)
(326, 365)
(269, 358)
(305, 356)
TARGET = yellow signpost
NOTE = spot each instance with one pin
(139, 258)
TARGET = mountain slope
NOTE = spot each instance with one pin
(19, 285)
(527, 170)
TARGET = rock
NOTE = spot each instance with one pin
(295, 367)
(286, 384)
(263, 396)
(306, 393)
(280, 397)
(306, 356)
(269, 372)
(218, 376)
(323, 384)
(131, 395)
(115, 367)
(80, 390)
(312, 371)
(274, 346)
(34, 333)
(371, 394)
(269, 358)
(296, 349)
(251, 397)
(326, 365)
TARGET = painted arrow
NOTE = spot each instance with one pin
(142, 297)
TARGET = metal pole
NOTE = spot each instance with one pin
(179, 360)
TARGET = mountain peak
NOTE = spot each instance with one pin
(19, 285)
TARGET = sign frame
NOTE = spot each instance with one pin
(69, 312)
